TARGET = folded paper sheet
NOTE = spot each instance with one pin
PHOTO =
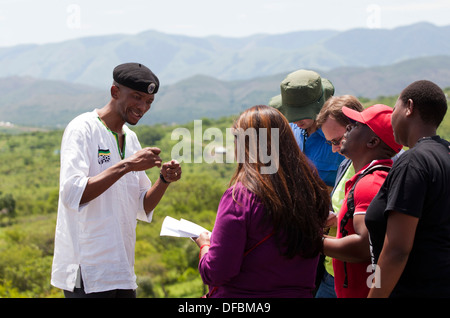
(180, 228)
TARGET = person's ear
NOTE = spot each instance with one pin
(410, 108)
(115, 92)
(373, 142)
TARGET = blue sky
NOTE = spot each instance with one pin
(46, 21)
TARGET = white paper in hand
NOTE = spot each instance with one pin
(180, 228)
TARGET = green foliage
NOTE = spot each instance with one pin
(26, 253)
(31, 172)
(150, 135)
(7, 208)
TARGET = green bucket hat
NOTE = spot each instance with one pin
(303, 94)
(275, 102)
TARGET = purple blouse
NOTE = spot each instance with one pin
(264, 272)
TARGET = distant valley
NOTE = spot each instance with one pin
(47, 85)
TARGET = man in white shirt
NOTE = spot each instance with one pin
(104, 190)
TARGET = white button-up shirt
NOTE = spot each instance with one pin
(98, 236)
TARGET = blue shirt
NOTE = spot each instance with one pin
(319, 152)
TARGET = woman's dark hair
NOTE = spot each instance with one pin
(428, 98)
(296, 200)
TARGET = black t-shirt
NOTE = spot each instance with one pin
(418, 185)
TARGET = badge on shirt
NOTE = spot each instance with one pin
(104, 156)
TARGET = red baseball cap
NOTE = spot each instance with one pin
(378, 118)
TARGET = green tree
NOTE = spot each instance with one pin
(7, 208)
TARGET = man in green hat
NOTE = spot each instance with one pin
(303, 94)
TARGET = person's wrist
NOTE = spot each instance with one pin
(322, 245)
(162, 178)
(200, 252)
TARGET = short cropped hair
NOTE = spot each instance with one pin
(429, 99)
(333, 108)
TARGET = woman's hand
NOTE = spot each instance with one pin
(203, 242)
(203, 239)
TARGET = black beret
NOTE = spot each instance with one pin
(136, 76)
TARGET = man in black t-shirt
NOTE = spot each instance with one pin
(409, 218)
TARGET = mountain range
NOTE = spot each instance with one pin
(47, 85)
(174, 57)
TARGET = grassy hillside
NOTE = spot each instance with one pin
(165, 267)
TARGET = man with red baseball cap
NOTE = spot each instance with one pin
(378, 118)
(369, 142)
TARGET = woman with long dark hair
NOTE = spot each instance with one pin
(268, 231)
